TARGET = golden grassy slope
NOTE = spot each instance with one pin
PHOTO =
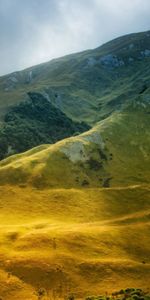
(57, 235)
(82, 241)
(115, 151)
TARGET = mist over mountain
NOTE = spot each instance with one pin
(32, 31)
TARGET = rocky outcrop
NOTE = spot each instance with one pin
(112, 61)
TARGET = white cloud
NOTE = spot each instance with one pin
(34, 31)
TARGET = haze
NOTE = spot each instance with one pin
(34, 31)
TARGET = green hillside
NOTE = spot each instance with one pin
(98, 81)
(87, 86)
(33, 122)
(113, 153)
(75, 207)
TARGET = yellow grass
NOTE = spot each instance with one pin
(123, 138)
(81, 241)
(63, 238)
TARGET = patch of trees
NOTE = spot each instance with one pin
(34, 122)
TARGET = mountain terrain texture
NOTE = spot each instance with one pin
(74, 176)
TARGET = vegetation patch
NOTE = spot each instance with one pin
(34, 122)
(128, 293)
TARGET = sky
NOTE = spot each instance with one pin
(35, 31)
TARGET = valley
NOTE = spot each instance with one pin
(74, 175)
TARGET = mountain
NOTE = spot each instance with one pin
(113, 153)
(75, 212)
(98, 81)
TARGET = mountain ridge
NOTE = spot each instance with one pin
(103, 156)
(75, 214)
(78, 61)
(99, 82)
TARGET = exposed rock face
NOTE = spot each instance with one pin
(11, 82)
(111, 61)
(91, 61)
(131, 46)
(30, 76)
(145, 53)
(76, 150)
(95, 138)
(13, 79)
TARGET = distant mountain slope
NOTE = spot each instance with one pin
(97, 81)
(86, 87)
(75, 215)
(113, 153)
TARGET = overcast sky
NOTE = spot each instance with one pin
(34, 31)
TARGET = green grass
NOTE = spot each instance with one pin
(113, 153)
(83, 92)
(35, 122)
(74, 216)
(78, 85)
